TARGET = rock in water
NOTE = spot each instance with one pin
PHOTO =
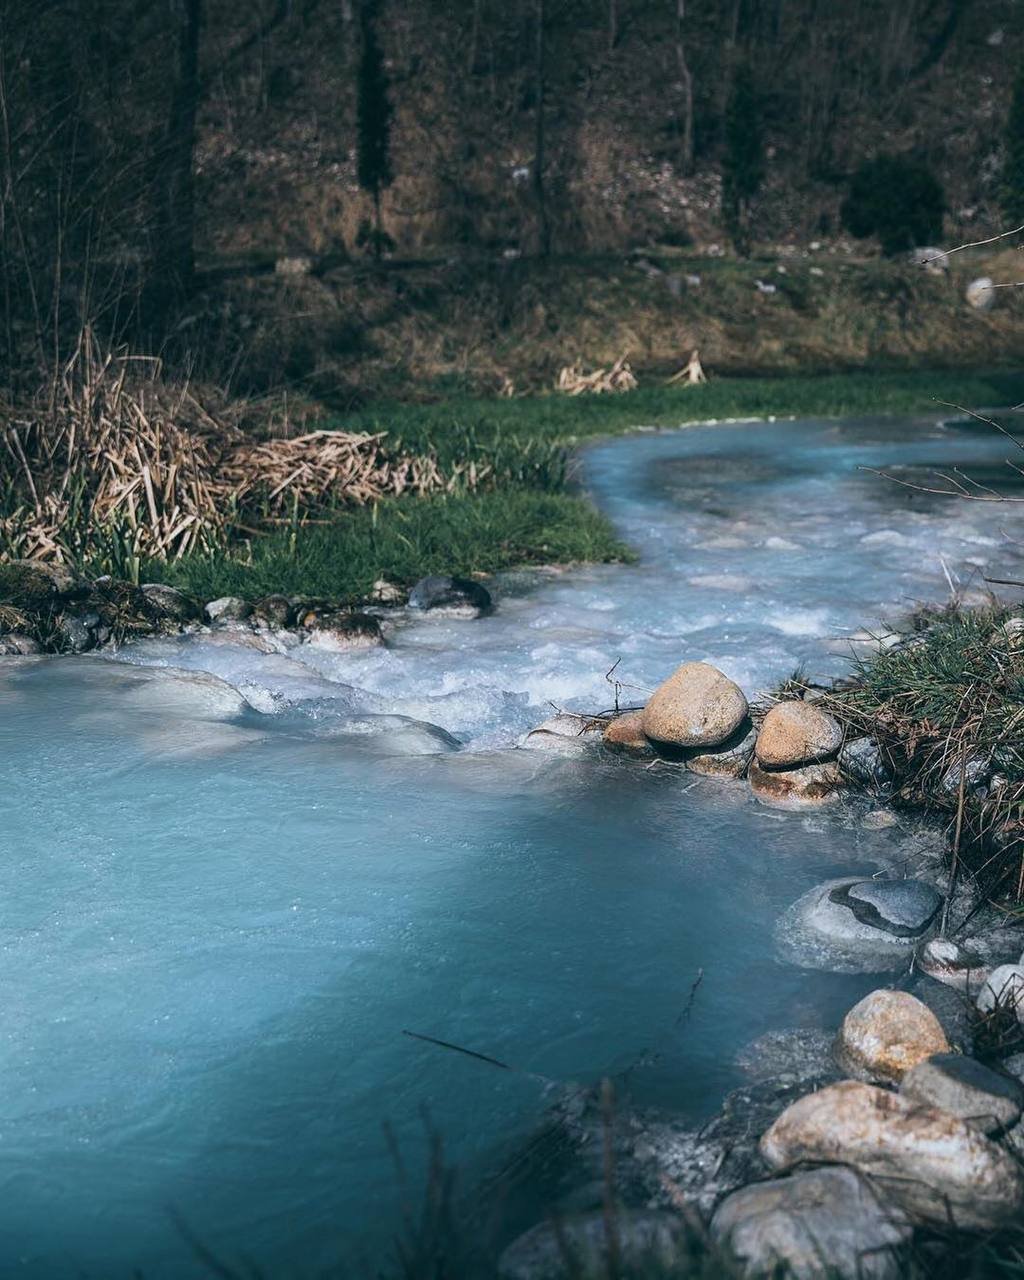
(827, 1219)
(986, 1099)
(934, 1166)
(228, 609)
(274, 611)
(169, 602)
(904, 908)
(810, 787)
(580, 1246)
(797, 733)
(862, 761)
(697, 706)
(341, 633)
(949, 963)
(886, 1034)
(626, 733)
(730, 760)
(565, 734)
(452, 597)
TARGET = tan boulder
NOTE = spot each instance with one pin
(932, 1164)
(797, 733)
(626, 733)
(697, 706)
(886, 1034)
(810, 787)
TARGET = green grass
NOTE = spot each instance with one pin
(495, 423)
(403, 539)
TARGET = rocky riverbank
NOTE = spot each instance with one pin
(849, 1156)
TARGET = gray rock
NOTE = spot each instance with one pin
(1015, 1066)
(1004, 987)
(904, 908)
(988, 1100)
(274, 611)
(817, 932)
(861, 760)
(228, 609)
(934, 260)
(730, 760)
(16, 644)
(826, 1220)
(169, 602)
(580, 1247)
(343, 632)
(76, 632)
(980, 294)
(451, 597)
(952, 965)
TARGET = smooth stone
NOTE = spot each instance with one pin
(934, 1166)
(886, 1034)
(730, 760)
(818, 933)
(579, 1246)
(626, 734)
(793, 734)
(952, 965)
(1004, 987)
(341, 633)
(228, 609)
(452, 597)
(813, 786)
(964, 1087)
(861, 761)
(829, 1218)
(564, 734)
(905, 908)
(169, 602)
(697, 706)
(980, 295)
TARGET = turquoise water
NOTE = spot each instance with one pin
(226, 897)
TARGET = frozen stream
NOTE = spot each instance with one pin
(223, 900)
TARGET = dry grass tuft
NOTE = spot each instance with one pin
(572, 381)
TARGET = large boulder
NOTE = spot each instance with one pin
(987, 1099)
(797, 733)
(697, 706)
(937, 1168)
(450, 597)
(886, 1034)
(809, 787)
(579, 1246)
(826, 1220)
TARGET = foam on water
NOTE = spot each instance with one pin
(232, 877)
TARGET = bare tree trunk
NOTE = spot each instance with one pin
(686, 77)
(174, 258)
(540, 87)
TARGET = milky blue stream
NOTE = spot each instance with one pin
(223, 900)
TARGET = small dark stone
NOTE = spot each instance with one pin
(274, 611)
(456, 594)
(76, 632)
(169, 602)
(904, 908)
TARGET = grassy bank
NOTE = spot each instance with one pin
(522, 514)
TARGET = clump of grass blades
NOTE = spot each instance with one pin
(947, 709)
(402, 539)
